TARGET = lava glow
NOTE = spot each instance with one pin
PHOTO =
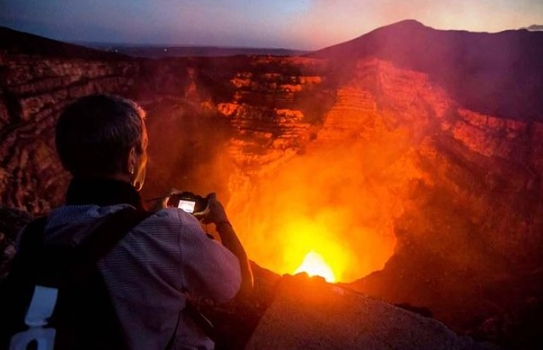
(314, 265)
(340, 203)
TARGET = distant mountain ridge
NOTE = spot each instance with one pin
(499, 73)
(162, 51)
(29, 44)
(26, 43)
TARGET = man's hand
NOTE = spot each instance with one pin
(229, 239)
(216, 214)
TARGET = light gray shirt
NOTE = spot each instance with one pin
(151, 268)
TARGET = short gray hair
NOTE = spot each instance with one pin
(95, 133)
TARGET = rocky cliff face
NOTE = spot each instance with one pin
(376, 164)
(33, 90)
(275, 103)
(470, 217)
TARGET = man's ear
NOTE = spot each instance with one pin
(131, 161)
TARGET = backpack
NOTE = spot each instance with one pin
(84, 316)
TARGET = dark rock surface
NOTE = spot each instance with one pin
(310, 314)
(11, 222)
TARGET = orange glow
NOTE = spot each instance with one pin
(303, 235)
(340, 202)
(314, 265)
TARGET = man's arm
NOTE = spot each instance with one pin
(230, 240)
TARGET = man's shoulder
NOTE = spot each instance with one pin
(175, 215)
(172, 219)
(87, 212)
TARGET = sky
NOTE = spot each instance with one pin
(292, 24)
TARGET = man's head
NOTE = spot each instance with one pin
(103, 136)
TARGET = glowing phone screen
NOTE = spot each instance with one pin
(187, 206)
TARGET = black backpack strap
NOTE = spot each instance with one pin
(17, 288)
(108, 234)
(32, 234)
(83, 288)
(201, 321)
(35, 263)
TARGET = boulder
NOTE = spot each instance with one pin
(308, 313)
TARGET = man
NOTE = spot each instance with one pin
(102, 141)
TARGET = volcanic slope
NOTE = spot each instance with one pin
(500, 74)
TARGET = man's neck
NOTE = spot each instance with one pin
(102, 191)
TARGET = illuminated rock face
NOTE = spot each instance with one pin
(34, 89)
(274, 106)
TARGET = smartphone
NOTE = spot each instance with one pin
(186, 205)
(189, 203)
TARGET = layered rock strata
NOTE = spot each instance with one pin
(33, 90)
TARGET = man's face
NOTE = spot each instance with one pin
(141, 165)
